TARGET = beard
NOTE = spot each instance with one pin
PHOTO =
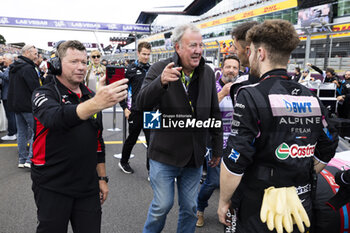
(255, 67)
(230, 78)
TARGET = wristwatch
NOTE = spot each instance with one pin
(105, 178)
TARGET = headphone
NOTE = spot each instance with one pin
(54, 66)
(142, 66)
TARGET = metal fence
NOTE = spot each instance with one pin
(324, 49)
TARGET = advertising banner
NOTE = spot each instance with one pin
(72, 25)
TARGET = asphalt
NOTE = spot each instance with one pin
(125, 210)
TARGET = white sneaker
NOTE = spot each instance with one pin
(27, 165)
(9, 138)
(21, 165)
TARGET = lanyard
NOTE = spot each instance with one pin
(186, 79)
(185, 82)
(38, 73)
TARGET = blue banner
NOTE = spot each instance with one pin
(73, 25)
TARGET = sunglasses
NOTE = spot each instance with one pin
(97, 56)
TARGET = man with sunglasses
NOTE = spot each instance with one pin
(95, 71)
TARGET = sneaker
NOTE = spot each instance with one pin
(27, 165)
(126, 168)
(200, 221)
(9, 138)
(21, 165)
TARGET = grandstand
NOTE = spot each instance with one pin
(325, 36)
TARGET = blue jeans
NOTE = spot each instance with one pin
(162, 178)
(25, 134)
(210, 184)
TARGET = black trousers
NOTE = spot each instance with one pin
(135, 126)
(55, 210)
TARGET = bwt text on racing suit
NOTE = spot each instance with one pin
(278, 128)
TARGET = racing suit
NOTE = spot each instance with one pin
(278, 128)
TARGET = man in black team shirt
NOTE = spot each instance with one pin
(68, 171)
(280, 136)
(135, 72)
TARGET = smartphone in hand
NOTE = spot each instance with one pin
(114, 73)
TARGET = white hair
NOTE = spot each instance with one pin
(26, 48)
(180, 30)
(8, 56)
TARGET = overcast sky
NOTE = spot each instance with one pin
(106, 11)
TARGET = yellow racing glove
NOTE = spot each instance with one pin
(274, 212)
(296, 209)
(281, 207)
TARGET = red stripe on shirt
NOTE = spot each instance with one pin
(99, 146)
(39, 145)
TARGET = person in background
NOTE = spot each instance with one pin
(43, 67)
(241, 49)
(230, 70)
(37, 68)
(24, 79)
(68, 173)
(95, 71)
(104, 62)
(135, 73)
(184, 86)
(344, 98)
(11, 118)
(297, 74)
(2, 66)
(329, 75)
(305, 76)
(126, 62)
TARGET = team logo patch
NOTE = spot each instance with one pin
(297, 106)
(283, 151)
(234, 155)
(151, 120)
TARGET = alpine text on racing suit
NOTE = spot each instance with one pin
(278, 128)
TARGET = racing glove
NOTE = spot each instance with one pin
(296, 209)
(280, 207)
(273, 210)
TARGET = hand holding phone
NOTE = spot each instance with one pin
(114, 73)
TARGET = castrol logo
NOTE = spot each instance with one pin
(301, 151)
(283, 151)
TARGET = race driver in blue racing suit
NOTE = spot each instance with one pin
(280, 134)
